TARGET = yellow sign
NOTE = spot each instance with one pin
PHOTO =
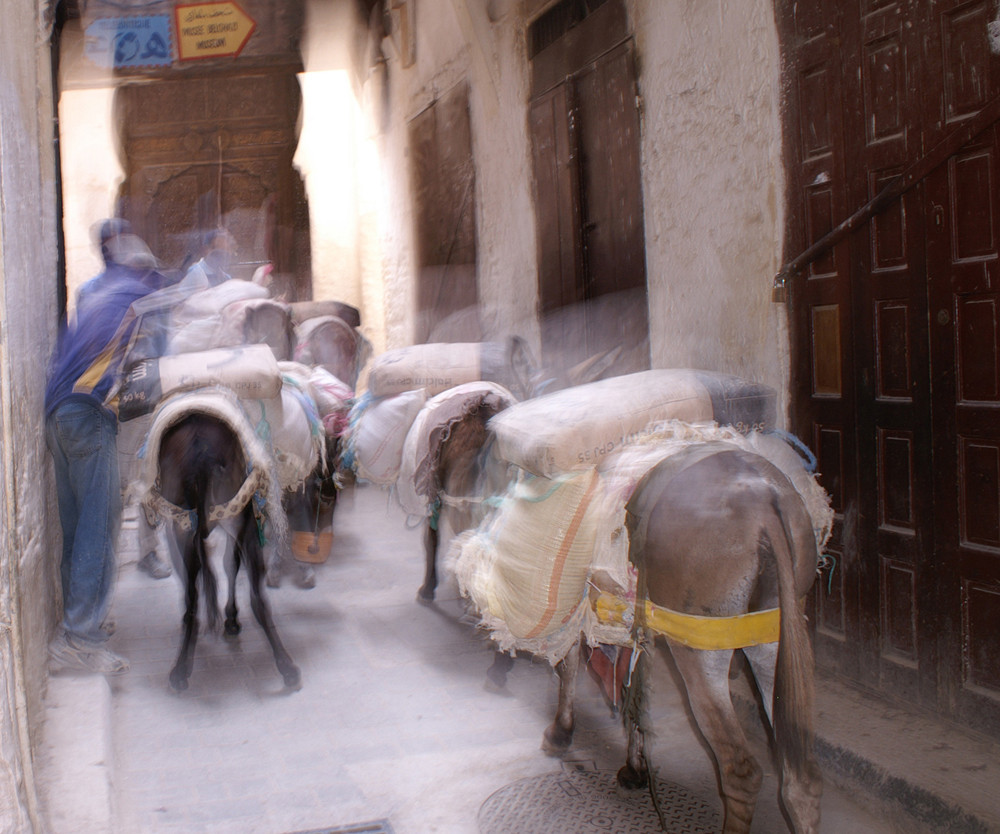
(212, 30)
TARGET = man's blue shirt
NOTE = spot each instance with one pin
(99, 315)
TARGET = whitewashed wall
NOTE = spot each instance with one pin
(28, 542)
(712, 176)
(713, 184)
(481, 43)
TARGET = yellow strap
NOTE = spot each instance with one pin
(695, 631)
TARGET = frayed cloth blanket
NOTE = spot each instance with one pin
(416, 487)
(261, 483)
(536, 568)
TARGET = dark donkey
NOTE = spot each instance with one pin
(718, 533)
(204, 483)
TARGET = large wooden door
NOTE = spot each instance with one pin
(216, 149)
(444, 186)
(584, 124)
(962, 210)
(897, 383)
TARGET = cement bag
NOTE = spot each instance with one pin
(213, 300)
(376, 434)
(526, 568)
(250, 371)
(576, 428)
(290, 426)
(437, 367)
(200, 322)
(333, 399)
(430, 429)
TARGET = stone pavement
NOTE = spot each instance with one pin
(393, 723)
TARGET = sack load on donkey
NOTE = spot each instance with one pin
(575, 551)
(399, 383)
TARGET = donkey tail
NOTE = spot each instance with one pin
(793, 680)
(199, 487)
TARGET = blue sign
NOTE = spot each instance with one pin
(120, 42)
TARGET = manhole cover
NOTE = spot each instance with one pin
(585, 801)
(376, 827)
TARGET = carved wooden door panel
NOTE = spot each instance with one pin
(822, 315)
(217, 150)
(963, 239)
(904, 412)
(897, 575)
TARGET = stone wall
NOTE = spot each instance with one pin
(28, 310)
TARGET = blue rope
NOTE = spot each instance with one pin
(800, 447)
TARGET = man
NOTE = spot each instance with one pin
(104, 233)
(80, 430)
(219, 248)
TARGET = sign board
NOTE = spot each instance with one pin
(212, 30)
(122, 42)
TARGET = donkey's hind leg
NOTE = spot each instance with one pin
(232, 563)
(426, 593)
(801, 787)
(558, 735)
(185, 660)
(706, 677)
(253, 558)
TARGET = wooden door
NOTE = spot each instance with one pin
(822, 314)
(444, 187)
(215, 150)
(962, 208)
(584, 124)
(903, 411)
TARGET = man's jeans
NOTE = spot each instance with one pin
(81, 436)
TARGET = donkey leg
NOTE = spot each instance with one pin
(426, 592)
(706, 677)
(634, 773)
(801, 787)
(232, 563)
(559, 734)
(262, 611)
(182, 668)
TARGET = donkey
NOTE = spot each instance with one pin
(718, 532)
(203, 480)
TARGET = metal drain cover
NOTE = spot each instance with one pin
(590, 802)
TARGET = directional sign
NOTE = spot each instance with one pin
(212, 30)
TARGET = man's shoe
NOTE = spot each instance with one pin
(154, 566)
(69, 655)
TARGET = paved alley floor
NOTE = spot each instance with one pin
(393, 725)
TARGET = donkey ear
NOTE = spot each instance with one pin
(523, 367)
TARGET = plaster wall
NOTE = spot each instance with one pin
(712, 178)
(713, 185)
(483, 44)
(29, 539)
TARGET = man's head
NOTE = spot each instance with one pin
(219, 247)
(107, 230)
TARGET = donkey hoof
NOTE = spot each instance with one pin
(292, 678)
(556, 740)
(232, 628)
(425, 596)
(632, 779)
(178, 680)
